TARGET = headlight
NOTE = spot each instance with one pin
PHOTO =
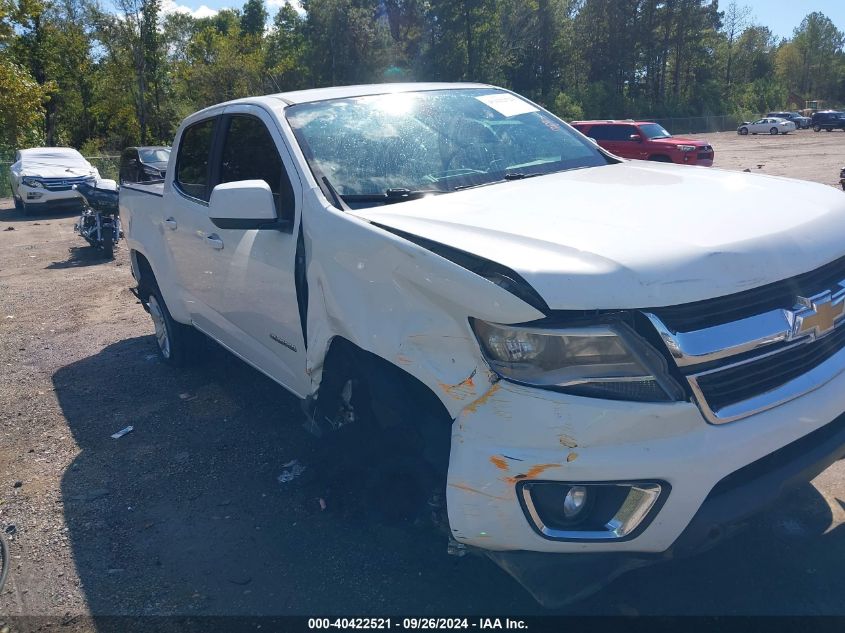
(32, 182)
(601, 361)
(686, 148)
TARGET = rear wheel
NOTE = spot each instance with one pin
(817, 128)
(175, 340)
(107, 234)
(743, 131)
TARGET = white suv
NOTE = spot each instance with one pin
(42, 178)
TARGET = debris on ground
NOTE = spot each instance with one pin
(456, 549)
(18, 484)
(9, 228)
(292, 470)
(11, 529)
(123, 432)
(187, 396)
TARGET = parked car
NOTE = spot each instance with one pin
(582, 355)
(768, 125)
(143, 164)
(799, 120)
(646, 141)
(42, 178)
(828, 120)
(842, 178)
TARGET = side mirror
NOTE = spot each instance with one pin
(244, 205)
(636, 138)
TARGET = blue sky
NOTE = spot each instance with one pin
(781, 16)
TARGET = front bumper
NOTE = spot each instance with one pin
(41, 198)
(515, 433)
(556, 580)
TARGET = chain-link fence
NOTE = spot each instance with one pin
(107, 165)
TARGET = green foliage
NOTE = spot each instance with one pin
(567, 108)
(74, 72)
(21, 107)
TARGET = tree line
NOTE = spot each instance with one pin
(78, 73)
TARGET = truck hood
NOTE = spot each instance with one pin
(636, 234)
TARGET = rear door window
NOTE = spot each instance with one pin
(192, 176)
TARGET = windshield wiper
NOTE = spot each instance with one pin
(390, 196)
(508, 176)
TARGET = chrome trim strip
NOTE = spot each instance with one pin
(722, 341)
(817, 377)
(634, 509)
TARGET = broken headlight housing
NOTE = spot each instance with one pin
(608, 361)
(31, 182)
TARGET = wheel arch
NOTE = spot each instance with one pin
(147, 277)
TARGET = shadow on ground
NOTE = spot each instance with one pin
(79, 257)
(9, 215)
(185, 515)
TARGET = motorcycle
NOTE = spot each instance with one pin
(100, 220)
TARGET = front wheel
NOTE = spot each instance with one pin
(743, 131)
(773, 131)
(174, 340)
(817, 128)
(18, 204)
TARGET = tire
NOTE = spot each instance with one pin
(175, 341)
(817, 128)
(18, 204)
(743, 131)
(774, 131)
(107, 233)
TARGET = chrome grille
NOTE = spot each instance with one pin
(61, 184)
(761, 360)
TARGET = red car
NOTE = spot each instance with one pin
(646, 141)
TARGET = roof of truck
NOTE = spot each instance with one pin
(274, 101)
(344, 92)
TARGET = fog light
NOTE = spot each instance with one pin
(575, 502)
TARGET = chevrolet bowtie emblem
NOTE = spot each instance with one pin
(818, 315)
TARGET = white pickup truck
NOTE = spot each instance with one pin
(612, 360)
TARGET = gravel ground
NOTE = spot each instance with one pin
(185, 515)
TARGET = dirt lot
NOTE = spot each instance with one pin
(185, 514)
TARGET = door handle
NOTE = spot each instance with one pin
(214, 241)
(170, 223)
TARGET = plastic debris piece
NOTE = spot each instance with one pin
(292, 470)
(456, 549)
(123, 432)
(187, 396)
(322, 503)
